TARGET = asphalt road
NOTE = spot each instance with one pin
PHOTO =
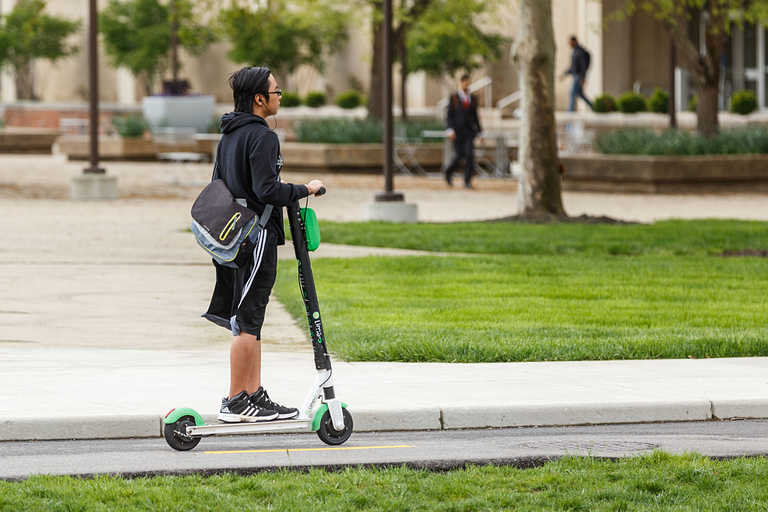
(425, 449)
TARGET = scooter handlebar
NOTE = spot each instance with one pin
(320, 192)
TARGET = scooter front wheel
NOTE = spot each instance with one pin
(176, 434)
(329, 435)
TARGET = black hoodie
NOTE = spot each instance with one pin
(249, 162)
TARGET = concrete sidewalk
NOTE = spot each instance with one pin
(101, 335)
(86, 394)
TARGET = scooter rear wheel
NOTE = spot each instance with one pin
(329, 435)
(176, 434)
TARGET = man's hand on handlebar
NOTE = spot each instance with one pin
(314, 186)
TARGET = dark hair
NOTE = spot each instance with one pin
(464, 77)
(573, 38)
(246, 84)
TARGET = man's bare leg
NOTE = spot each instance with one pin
(244, 364)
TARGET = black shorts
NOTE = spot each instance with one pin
(241, 295)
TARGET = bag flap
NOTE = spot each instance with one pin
(217, 212)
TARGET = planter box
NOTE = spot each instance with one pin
(110, 148)
(27, 141)
(117, 148)
(364, 158)
(665, 174)
(179, 111)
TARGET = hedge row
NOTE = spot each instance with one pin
(742, 102)
(315, 99)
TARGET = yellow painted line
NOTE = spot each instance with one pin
(312, 449)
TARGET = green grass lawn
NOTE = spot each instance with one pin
(656, 481)
(532, 308)
(675, 237)
(548, 292)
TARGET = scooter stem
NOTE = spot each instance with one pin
(307, 284)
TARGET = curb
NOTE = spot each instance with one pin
(431, 418)
(101, 426)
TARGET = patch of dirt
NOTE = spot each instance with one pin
(746, 253)
(33, 191)
(561, 219)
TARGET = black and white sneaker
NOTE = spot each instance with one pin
(261, 399)
(240, 409)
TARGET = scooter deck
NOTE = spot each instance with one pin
(247, 428)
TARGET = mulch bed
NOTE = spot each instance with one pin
(746, 253)
(561, 219)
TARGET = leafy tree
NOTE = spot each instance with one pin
(282, 39)
(405, 16)
(705, 69)
(534, 56)
(138, 34)
(28, 34)
(446, 39)
(416, 21)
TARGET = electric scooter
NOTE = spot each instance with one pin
(321, 411)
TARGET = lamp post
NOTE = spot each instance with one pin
(389, 205)
(94, 182)
(389, 194)
(672, 88)
(93, 88)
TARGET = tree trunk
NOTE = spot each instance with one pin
(174, 41)
(539, 190)
(25, 82)
(374, 95)
(706, 108)
(403, 79)
(705, 69)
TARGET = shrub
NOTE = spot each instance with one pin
(130, 126)
(349, 99)
(631, 102)
(413, 128)
(659, 101)
(634, 141)
(743, 102)
(290, 99)
(339, 131)
(215, 125)
(693, 103)
(352, 131)
(605, 103)
(315, 99)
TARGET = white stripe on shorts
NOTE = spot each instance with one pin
(258, 255)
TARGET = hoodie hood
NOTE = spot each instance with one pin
(231, 121)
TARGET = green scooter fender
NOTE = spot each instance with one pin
(176, 414)
(319, 416)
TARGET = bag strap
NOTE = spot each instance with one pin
(267, 211)
(265, 216)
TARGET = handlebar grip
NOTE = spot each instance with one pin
(320, 192)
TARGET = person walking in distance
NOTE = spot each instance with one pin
(249, 163)
(463, 127)
(579, 64)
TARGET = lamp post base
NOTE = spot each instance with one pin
(93, 186)
(391, 211)
(389, 197)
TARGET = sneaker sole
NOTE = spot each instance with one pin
(288, 416)
(229, 418)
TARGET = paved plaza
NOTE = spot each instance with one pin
(100, 328)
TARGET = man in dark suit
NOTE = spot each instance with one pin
(463, 127)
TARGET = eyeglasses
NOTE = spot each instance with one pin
(278, 92)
